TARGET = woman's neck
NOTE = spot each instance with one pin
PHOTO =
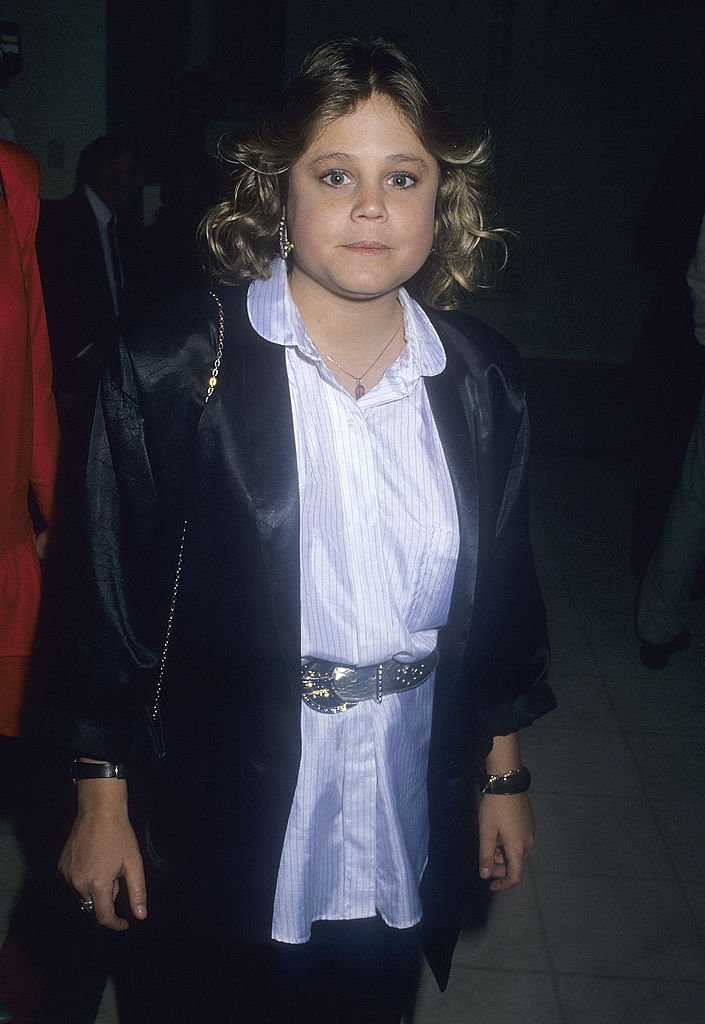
(352, 331)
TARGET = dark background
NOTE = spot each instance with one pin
(597, 111)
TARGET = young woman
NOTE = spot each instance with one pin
(355, 633)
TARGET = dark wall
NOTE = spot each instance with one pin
(585, 100)
(146, 50)
(248, 45)
(156, 92)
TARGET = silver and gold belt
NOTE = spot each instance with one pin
(331, 688)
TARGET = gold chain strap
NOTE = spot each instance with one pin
(212, 381)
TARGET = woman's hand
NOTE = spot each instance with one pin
(506, 837)
(102, 850)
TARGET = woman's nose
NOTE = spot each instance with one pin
(369, 202)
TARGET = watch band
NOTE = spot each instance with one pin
(85, 770)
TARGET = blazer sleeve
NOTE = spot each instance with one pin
(45, 436)
(118, 581)
(509, 617)
(21, 181)
(113, 584)
(521, 652)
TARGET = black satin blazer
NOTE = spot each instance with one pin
(231, 698)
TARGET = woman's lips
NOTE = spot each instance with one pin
(368, 246)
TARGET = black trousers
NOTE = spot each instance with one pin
(350, 972)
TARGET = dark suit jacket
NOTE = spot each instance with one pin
(231, 701)
(77, 295)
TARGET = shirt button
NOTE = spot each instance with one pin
(352, 422)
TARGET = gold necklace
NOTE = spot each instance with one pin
(359, 386)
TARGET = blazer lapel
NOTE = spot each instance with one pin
(253, 408)
(454, 421)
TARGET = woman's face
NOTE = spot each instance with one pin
(361, 202)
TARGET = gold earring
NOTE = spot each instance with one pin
(285, 246)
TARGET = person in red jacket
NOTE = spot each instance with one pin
(28, 426)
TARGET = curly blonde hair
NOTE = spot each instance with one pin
(239, 235)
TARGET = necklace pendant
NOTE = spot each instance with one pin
(359, 391)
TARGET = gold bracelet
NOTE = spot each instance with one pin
(516, 781)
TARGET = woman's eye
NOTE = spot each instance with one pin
(335, 178)
(403, 180)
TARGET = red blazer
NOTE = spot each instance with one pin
(28, 426)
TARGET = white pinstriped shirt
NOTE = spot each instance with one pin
(379, 543)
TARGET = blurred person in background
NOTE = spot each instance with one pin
(171, 260)
(30, 441)
(28, 427)
(667, 586)
(88, 249)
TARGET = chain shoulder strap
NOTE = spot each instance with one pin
(212, 381)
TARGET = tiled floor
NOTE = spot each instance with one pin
(609, 928)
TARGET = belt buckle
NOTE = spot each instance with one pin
(319, 689)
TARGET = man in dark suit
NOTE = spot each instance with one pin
(87, 256)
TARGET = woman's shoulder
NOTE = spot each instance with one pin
(19, 170)
(472, 336)
(168, 345)
(182, 325)
(475, 342)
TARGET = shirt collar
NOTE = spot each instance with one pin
(102, 212)
(274, 316)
